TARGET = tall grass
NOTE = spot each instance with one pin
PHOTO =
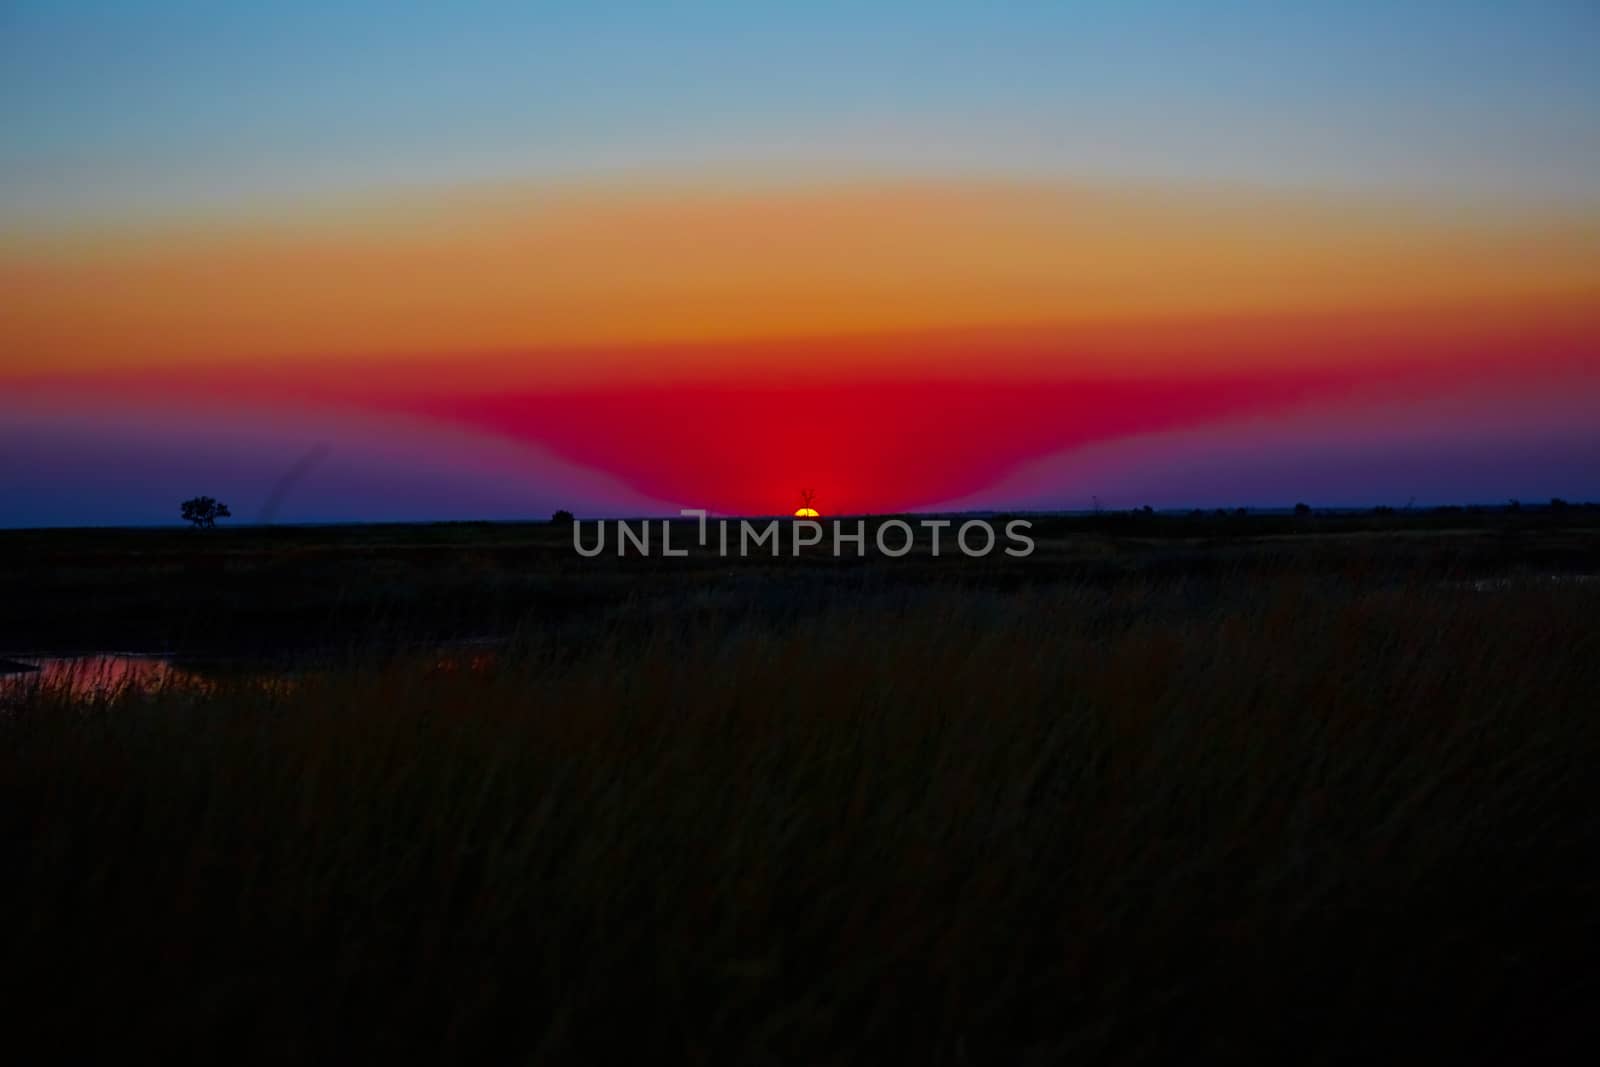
(1295, 821)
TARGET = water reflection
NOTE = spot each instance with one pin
(108, 675)
(97, 676)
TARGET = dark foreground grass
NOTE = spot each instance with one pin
(1298, 822)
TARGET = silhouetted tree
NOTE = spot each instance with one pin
(562, 518)
(1302, 510)
(204, 512)
(1557, 504)
(1513, 505)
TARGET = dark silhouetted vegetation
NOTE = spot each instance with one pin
(1301, 821)
(1212, 788)
(204, 512)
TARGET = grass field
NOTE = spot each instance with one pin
(1297, 790)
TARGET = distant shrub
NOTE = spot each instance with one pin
(204, 512)
(1302, 509)
(1557, 504)
(562, 518)
(1383, 509)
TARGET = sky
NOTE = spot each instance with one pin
(363, 261)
